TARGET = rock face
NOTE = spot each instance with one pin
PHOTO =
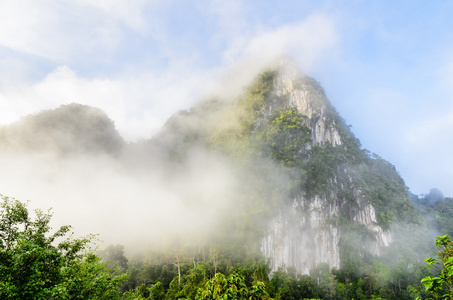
(298, 238)
(308, 97)
(301, 237)
(307, 231)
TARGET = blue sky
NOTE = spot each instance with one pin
(387, 66)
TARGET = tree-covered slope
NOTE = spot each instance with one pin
(67, 129)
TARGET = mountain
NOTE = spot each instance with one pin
(334, 194)
(305, 193)
(72, 128)
(345, 191)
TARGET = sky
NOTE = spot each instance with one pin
(387, 66)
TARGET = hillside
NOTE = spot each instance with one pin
(285, 127)
(272, 185)
(71, 128)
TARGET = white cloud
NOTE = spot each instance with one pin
(138, 104)
(100, 194)
(309, 41)
(130, 12)
(63, 31)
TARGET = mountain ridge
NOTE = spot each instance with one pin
(67, 129)
(309, 183)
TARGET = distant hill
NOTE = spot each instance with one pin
(72, 128)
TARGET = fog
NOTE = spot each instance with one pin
(72, 160)
(98, 194)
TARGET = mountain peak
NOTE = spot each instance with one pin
(288, 88)
(67, 129)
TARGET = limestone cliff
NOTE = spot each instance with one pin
(333, 191)
(308, 97)
(307, 229)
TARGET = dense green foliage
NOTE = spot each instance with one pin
(154, 275)
(231, 287)
(436, 209)
(284, 137)
(36, 266)
(386, 190)
(442, 284)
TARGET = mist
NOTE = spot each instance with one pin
(73, 161)
(99, 194)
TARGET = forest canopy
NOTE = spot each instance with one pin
(38, 264)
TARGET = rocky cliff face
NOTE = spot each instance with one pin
(308, 97)
(302, 236)
(308, 229)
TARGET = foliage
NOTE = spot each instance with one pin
(252, 106)
(321, 170)
(395, 274)
(443, 283)
(288, 287)
(113, 255)
(436, 209)
(231, 287)
(387, 192)
(283, 137)
(34, 266)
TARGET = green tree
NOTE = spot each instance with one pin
(231, 287)
(113, 255)
(443, 283)
(34, 266)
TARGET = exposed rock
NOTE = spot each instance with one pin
(292, 89)
(303, 236)
(306, 232)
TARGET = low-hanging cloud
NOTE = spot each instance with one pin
(100, 194)
(308, 41)
(139, 104)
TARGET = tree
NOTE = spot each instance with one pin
(231, 287)
(216, 255)
(34, 266)
(443, 283)
(113, 255)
